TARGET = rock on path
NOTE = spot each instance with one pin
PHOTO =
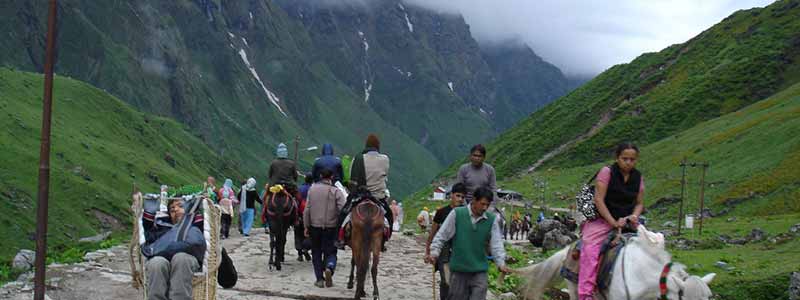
(402, 275)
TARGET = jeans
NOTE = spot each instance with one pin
(171, 279)
(323, 251)
(247, 220)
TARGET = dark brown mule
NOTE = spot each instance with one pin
(366, 237)
(280, 212)
(516, 227)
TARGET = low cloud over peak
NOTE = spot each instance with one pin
(587, 37)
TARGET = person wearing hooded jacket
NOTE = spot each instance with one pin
(329, 162)
(247, 197)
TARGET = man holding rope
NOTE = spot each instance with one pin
(457, 193)
(470, 228)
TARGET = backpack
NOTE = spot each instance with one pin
(585, 200)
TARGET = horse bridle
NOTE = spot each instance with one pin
(662, 283)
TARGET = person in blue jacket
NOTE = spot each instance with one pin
(327, 161)
(175, 247)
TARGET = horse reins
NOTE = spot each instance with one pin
(662, 283)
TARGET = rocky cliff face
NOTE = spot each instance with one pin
(245, 75)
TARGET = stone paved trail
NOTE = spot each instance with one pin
(106, 275)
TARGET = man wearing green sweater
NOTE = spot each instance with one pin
(471, 228)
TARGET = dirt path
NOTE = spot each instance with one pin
(106, 275)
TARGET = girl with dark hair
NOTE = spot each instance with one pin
(619, 198)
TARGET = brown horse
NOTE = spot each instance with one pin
(366, 237)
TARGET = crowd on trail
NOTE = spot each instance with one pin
(463, 236)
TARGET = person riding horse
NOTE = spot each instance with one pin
(368, 175)
(279, 206)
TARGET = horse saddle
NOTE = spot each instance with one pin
(608, 256)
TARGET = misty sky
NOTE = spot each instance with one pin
(589, 36)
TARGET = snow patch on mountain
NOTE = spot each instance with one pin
(270, 95)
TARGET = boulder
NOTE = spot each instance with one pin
(794, 286)
(557, 239)
(795, 229)
(24, 260)
(507, 296)
(756, 235)
(97, 238)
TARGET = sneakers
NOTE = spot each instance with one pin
(328, 277)
(308, 256)
(319, 284)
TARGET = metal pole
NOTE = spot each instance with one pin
(44, 157)
(702, 190)
(683, 190)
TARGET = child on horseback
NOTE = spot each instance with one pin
(619, 198)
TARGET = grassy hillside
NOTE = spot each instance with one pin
(100, 147)
(747, 57)
(754, 155)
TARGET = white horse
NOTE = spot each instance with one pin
(640, 266)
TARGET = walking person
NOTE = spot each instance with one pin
(396, 215)
(211, 188)
(321, 219)
(300, 239)
(443, 261)
(470, 228)
(423, 219)
(619, 198)
(248, 196)
(476, 173)
(227, 200)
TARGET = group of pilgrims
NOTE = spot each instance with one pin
(464, 236)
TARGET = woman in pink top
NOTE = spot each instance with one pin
(619, 197)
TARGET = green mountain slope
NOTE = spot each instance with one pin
(745, 58)
(100, 147)
(246, 75)
(752, 182)
(754, 155)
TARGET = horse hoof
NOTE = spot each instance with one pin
(349, 286)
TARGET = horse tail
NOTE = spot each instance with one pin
(540, 276)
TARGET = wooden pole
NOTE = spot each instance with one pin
(44, 158)
(702, 195)
(296, 147)
(683, 190)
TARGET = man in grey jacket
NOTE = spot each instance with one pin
(323, 205)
